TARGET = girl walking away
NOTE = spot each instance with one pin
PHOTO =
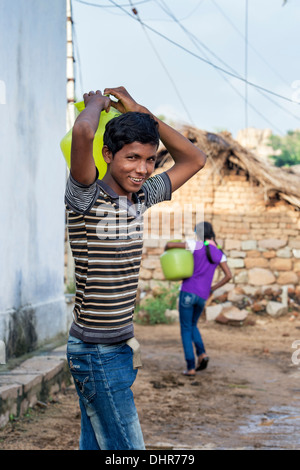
(196, 290)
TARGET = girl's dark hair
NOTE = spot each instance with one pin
(204, 231)
(128, 128)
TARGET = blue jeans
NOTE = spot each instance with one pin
(190, 308)
(103, 375)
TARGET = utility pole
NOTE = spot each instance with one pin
(70, 118)
(70, 68)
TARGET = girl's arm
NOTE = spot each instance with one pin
(227, 276)
(170, 245)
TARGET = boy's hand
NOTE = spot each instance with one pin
(125, 102)
(97, 97)
(83, 167)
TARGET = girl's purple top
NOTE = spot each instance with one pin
(201, 280)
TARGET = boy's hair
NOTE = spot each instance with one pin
(128, 128)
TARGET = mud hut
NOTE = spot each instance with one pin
(253, 206)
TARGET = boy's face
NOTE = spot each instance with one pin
(130, 167)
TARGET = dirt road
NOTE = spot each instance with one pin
(248, 398)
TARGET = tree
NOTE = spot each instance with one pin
(289, 146)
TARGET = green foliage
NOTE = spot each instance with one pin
(153, 310)
(289, 145)
(220, 129)
(70, 287)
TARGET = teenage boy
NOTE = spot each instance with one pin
(105, 232)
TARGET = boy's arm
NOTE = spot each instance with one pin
(83, 167)
(187, 157)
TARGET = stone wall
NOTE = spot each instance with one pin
(260, 237)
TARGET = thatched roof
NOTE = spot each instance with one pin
(221, 149)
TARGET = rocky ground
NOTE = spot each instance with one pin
(248, 398)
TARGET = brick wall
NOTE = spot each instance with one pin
(260, 237)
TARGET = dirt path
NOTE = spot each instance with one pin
(248, 398)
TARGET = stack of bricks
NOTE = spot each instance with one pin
(260, 237)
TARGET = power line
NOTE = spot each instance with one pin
(193, 38)
(163, 65)
(205, 60)
(111, 9)
(110, 6)
(181, 19)
(195, 41)
(249, 44)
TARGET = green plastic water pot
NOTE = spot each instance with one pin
(66, 141)
(177, 264)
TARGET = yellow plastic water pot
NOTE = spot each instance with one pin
(177, 264)
(66, 141)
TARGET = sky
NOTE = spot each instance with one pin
(190, 60)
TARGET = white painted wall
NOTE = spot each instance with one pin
(32, 169)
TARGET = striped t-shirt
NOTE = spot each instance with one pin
(106, 239)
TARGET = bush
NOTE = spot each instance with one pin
(153, 309)
(289, 146)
